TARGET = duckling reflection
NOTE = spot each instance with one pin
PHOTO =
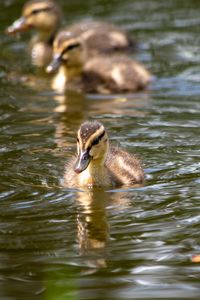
(45, 16)
(97, 164)
(93, 230)
(92, 226)
(100, 74)
(73, 108)
(133, 105)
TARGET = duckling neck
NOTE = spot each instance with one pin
(64, 76)
(72, 72)
(41, 48)
(46, 37)
(95, 175)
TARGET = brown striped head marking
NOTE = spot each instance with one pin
(34, 7)
(92, 144)
(66, 41)
(90, 133)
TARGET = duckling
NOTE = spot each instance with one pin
(99, 164)
(45, 17)
(102, 73)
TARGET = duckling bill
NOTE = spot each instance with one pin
(100, 164)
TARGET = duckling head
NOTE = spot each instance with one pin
(68, 50)
(42, 15)
(92, 145)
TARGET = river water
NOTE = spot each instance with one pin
(127, 243)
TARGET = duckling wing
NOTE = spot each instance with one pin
(125, 168)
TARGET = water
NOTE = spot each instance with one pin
(134, 243)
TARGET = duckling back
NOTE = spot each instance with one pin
(102, 37)
(124, 168)
(116, 74)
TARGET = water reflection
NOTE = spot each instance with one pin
(57, 241)
(92, 227)
(74, 108)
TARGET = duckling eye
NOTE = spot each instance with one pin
(77, 140)
(95, 141)
(70, 47)
(36, 11)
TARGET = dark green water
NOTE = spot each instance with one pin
(132, 243)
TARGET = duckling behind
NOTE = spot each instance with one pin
(101, 74)
(45, 17)
(99, 164)
(116, 74)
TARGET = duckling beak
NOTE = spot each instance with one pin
(19, 25)
(55, 64)
(82, 162)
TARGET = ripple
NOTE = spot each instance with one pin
(122, 243)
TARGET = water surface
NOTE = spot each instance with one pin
(128, 243)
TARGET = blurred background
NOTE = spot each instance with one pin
(134, 243)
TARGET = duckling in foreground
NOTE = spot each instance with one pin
(45, 17)
(99, 164)
(102, 73)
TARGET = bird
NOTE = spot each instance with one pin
(99, 164)
(101, 73)
(46, 16)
